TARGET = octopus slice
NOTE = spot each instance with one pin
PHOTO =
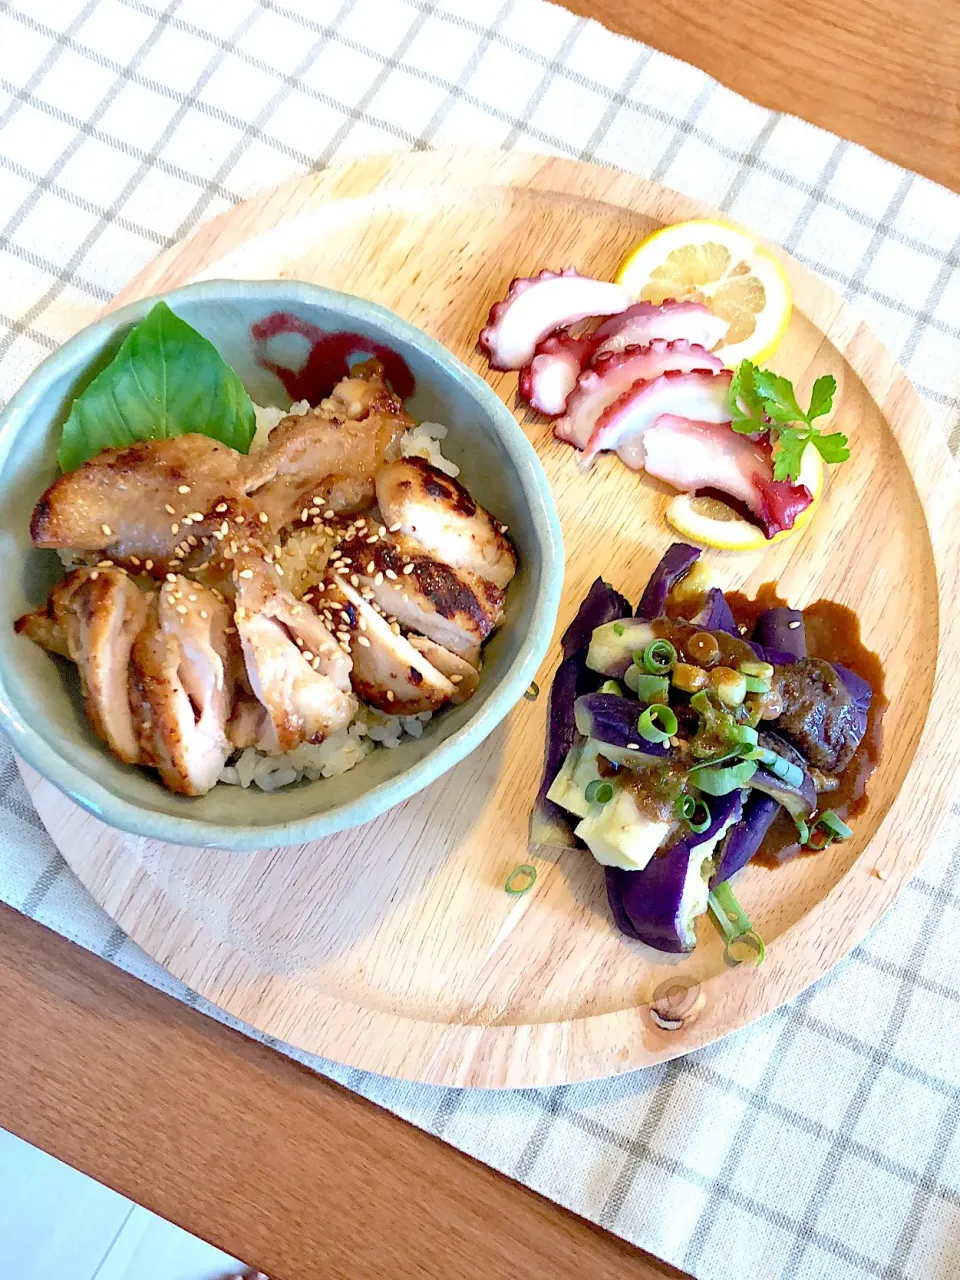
(444, 519)
(700, 396)
(645, 321)
(295, 668)
(137, 504)
(616, 372)
(702, 455)
(388, 672)
(547, 381)
(538, 305)
(181, 689)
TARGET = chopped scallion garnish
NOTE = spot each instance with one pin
(598, 791)
(657, 723)
(648, 688)
(659, 657)
(785, 770)
(734, 925)
(521, 879)
(756, 685)
(611, 686)
(720, 782)
(532, 691)
(827, 828)
(618, 628)
(759, 670)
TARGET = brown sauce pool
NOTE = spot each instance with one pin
(833, 633)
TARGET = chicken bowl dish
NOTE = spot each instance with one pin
(253, 600)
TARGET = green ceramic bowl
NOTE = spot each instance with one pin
(40, 706)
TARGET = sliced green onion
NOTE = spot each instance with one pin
(734, 925)
(618, 628)
(521, 879)
(836, 824)
(827, 828)
(712, 760)
(598, 791)
(611, 686)
(657, 723)
(743, 735)
(647, 688)
(701, 703)
(756, 685)
(759, 670)
(532, 692)
(785, 770)
(720, 782)
(659, 657)
(685, 807)
(803, 831)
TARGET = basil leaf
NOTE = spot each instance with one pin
(166, 380)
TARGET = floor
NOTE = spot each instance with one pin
(55, 1222)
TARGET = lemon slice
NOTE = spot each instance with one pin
(713, 524)
(722, 267)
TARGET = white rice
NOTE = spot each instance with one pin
(304, 557)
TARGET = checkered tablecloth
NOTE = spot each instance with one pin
(825, 1140)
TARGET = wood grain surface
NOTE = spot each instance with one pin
(250, 1151)
(393, 947)
(886, 75)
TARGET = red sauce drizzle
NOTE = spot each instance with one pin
(329, 358)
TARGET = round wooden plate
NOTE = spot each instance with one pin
(393, 947)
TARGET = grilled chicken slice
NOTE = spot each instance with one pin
(327, 458)
(444, 519)
(457, 670)
(137, 504)
(181, 688)
(98, 613)
(452, 607)
(388, 672)
(295, 667)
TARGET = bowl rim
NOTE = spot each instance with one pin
(128, 816)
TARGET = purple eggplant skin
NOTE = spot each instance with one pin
(648, 905)
(601, 604)
(677, 561)
(744, 838)
(549, 824)
(800, 802)
(610, 718)
(860, 692)
(715, 614)
(777, 630)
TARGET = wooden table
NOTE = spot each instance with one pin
(240, 1145)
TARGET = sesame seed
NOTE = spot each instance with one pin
(391, 696)
(371, 565)
(330, 514)
(363, 624)
(455, 679)
(378, 579)
(381, 531)
(171, 577)
(879, 873)
(148, 564)
(181, 608)
(372, 539)
(364, 641)
(192, 541)
(183, 488)
(395, 528)
(321, 586)
(344, 646)
(220, 507)
(176, 563)
(168, 509)
(279, 569)
(196, 516)
(303, 514)
(264, 518)
(203, 613)
(192, 595)
(174, 528)
(792, 626)
(395, 628)
(246, 573)
(104, 564)
(94, 575)
(391, 574)
(134, 560)
(224, 529)
(354, 580)
(186, 519)
(238, 519)
(408, 568)
(308, 655)
(106, 530)
(633, 746)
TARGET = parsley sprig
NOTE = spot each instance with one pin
(763, 401)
